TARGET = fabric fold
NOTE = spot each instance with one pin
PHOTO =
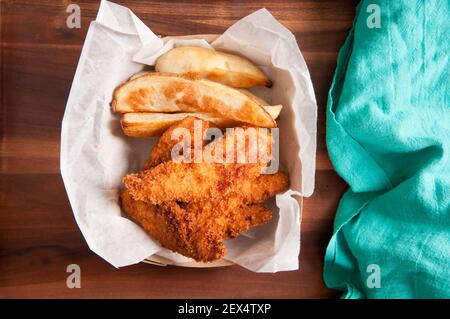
(388, 137)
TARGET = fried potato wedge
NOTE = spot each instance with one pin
(255, 98)
(225, 68)
(273, 110)
(149, 124)
(154, 124)
(159, 92)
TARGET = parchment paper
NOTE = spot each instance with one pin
(95, 154)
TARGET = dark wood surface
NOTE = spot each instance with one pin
(38, 233)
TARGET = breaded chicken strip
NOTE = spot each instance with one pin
(239, 145)
(258, 190)
(187, 182)
(195, 231)
(193, 208)
(228, 218)
(247, 144)
(161, 152)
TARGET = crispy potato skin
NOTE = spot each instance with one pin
(134, 125)
(164, 93)
(154, 124)
(225, 68)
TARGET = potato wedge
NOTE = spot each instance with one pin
(156, 92)
(154, 124)
(273, 110)
(225, 68)
(148, 124)
(255, 98)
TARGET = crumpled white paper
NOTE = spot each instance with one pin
(95, 154)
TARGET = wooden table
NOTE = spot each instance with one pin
(38, 233)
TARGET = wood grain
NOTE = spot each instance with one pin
(38, 234)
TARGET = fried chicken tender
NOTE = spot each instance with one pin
(227, 218)
(196, 230)
(247, 144)
(162, 150)
(241, 145)
(258, 190)
(189, 182)
(191, 208)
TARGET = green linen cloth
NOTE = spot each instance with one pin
(388, 137)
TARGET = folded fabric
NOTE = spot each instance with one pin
(388, 137)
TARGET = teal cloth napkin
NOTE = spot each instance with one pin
(388, 137)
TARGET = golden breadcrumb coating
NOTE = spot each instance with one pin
(191, 208)
(194, 230)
